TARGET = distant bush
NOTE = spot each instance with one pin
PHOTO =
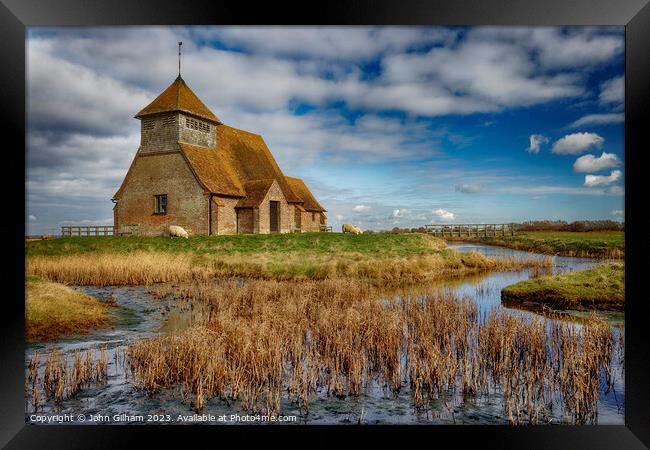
(539, 225)
(579, 225)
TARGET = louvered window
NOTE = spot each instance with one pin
(197, 125)
(168, 121)
(148, 124)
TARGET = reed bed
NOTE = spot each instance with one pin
(63, 379)
(264, 341)
(138, 268)
(142, 268)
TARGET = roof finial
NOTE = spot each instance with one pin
(179, 58)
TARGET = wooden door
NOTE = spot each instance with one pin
(275, 216)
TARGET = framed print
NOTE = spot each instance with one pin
(369, 220)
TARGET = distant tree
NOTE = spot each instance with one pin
(579, 225)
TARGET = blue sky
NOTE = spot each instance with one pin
(389, 126)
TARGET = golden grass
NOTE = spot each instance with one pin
(145, 268)
(262, 340)
(53, 310)
(138, 268)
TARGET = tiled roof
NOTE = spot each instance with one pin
(299, 187)
(255, 193)
(212, 171)
(251, 159)
(178, 97)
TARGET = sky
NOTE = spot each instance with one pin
(388, 126)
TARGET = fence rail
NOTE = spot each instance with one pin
(91, 230)
(472, 230)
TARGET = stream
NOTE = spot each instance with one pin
(142, 316)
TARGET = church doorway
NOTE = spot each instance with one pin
(274, 216)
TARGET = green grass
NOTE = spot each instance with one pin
(596, 244)
(312, 243)
(600, 288)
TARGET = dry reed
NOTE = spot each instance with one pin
(64, 379)
(142, 268)
(262, 340)
(138, 268)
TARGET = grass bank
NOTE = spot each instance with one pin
(53, 310)
(309, 256)
(593, 244)
(600, 288)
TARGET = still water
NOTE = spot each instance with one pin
(142, 316)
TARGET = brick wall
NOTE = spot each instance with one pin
(294, 213)
(286, 221)
(310, 221)
(226, 216)
(246, 220)
(187, 205)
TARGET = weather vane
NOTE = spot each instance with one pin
(179, 57)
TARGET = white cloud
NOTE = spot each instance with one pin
(612, 91)
(468, 188)
(556, 47)
(443, 214)
(602, 180)
(536, 142)
(333, 43)
(591, 163)
(397, 213)
(618, 212)
(575, 143)
(32, 217)
(362, 208)
(339, 217)
(598, 119)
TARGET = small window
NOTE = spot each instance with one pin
(161, 204)
(148, 124)
(167, 121)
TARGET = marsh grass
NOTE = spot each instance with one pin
(63, 379)
(267, 340)
(53, 310)
(602, 287)
(592, 244)
(142, 268)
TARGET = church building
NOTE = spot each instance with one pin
(193, 171)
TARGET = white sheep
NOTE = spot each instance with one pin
(176, 231)
(349, 228)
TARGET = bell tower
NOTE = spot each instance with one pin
(176, 115)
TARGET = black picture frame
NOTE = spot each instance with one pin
(16, 15)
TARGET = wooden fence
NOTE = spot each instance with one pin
(92, 230)
(472, 230)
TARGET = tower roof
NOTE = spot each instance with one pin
(178, 97)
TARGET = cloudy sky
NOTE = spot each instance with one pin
(388, 126)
